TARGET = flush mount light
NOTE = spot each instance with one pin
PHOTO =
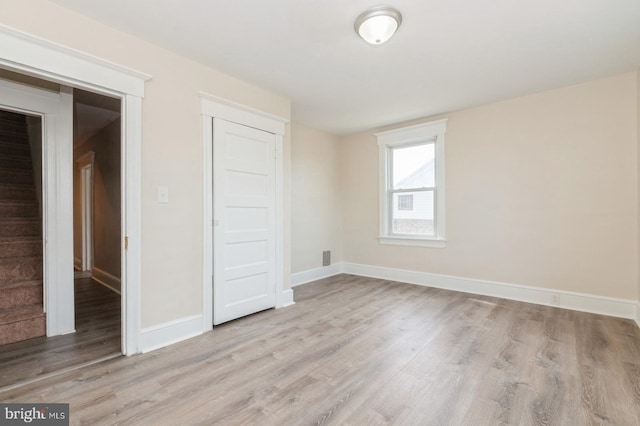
(378, 24)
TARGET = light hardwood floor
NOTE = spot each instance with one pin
(361, 351)
(97, 336)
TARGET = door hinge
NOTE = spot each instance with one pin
(126, 243)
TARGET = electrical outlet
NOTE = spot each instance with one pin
(556, 299)
(326, 258)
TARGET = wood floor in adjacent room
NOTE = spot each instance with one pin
(361, 351)
(97, 336)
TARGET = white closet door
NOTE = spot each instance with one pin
(244, 228)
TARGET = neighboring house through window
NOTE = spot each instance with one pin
(412, 185)
(405, 202)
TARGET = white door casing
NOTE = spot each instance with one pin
(243, 220)
(55, 109)
(213, 106)
(86, 164)
(31, 55)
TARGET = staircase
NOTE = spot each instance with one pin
(21, 313)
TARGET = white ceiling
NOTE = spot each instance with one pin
(447, 55)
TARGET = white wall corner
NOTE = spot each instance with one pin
(286, 299)
(621, 308)
(168, 333)
(311, 275)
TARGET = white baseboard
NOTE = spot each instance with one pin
(621, 308)
(168, 333)
(286, 299)
(638, 314)
(106, 279)
(305, 277)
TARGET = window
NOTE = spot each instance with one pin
(405, 202)
(412, 185)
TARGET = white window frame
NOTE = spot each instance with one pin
(431, 132)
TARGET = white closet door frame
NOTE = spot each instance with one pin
(213, 106)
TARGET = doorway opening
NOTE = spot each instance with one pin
(97, 188)
(22, 311)
(28, 354)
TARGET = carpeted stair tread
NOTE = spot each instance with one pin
(18, 240)
(13, 202)
(19, 209)
(20, 293)
(21, 313)
(13, 149)
(13, 136)
(11, 247)
(12, 116)
(16, 176)
(16, 269)
(19, 148)
(30, 283)
(17, 192)
(10, 162)
(11, 260)
(20, 229)
(15, 162)
(13, 126)
(25, 155)
(9, 220)
(23, 330)
(18, 202)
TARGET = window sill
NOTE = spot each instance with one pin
(416, 242)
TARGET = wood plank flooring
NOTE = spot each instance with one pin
(359, 351)
(97, 336)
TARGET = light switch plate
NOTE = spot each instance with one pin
(163, 194)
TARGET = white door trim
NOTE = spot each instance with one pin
(55, 112)
(27, 54)
(213, 106)
(86, 164)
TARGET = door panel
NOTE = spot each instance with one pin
(244, 220)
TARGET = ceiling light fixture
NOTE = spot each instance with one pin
(378, 24)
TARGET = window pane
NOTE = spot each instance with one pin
(413, 166)
(417, 220)
(405, 202)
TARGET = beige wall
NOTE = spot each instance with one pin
(316, 198)
(540, 190)
(171, 147)
(638, 174)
